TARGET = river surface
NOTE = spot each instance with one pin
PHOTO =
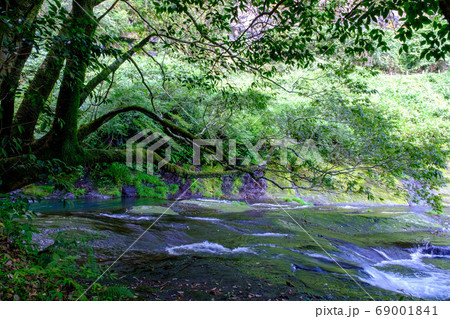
(207, 249)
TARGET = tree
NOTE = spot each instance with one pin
(17, 37)
(221, 35)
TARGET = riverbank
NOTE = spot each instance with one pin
(118, 181)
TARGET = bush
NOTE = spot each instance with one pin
(118, 174)
(15, 222)
(150, 186)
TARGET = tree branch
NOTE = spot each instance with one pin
(108, 10)
(92, 84)
(144, 83)
(87, 129)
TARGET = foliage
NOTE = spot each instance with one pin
(117, 173)
(15, 222)
(151, 186)
(400, 122)
(61, 176)
(415, 17)
(218, 71)
(111, 177)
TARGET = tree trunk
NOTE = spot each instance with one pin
(15, 48)
(63, 135)
(39, 90)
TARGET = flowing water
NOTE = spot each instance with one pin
(206, 249)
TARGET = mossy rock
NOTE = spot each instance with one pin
(113, 191)
(208, 187)
(151, 210)
(362, 223)
(225, 207)
(439, 263)
(37, 191)
(294, 200)
(217, 206)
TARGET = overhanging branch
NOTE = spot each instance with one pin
(87, 129)
(92, 84)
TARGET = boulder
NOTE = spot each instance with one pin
(129, 191)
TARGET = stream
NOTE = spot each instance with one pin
(222, 250)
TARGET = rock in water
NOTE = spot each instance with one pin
(129, 191)
(253, 188)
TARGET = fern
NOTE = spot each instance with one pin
(116, 293)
